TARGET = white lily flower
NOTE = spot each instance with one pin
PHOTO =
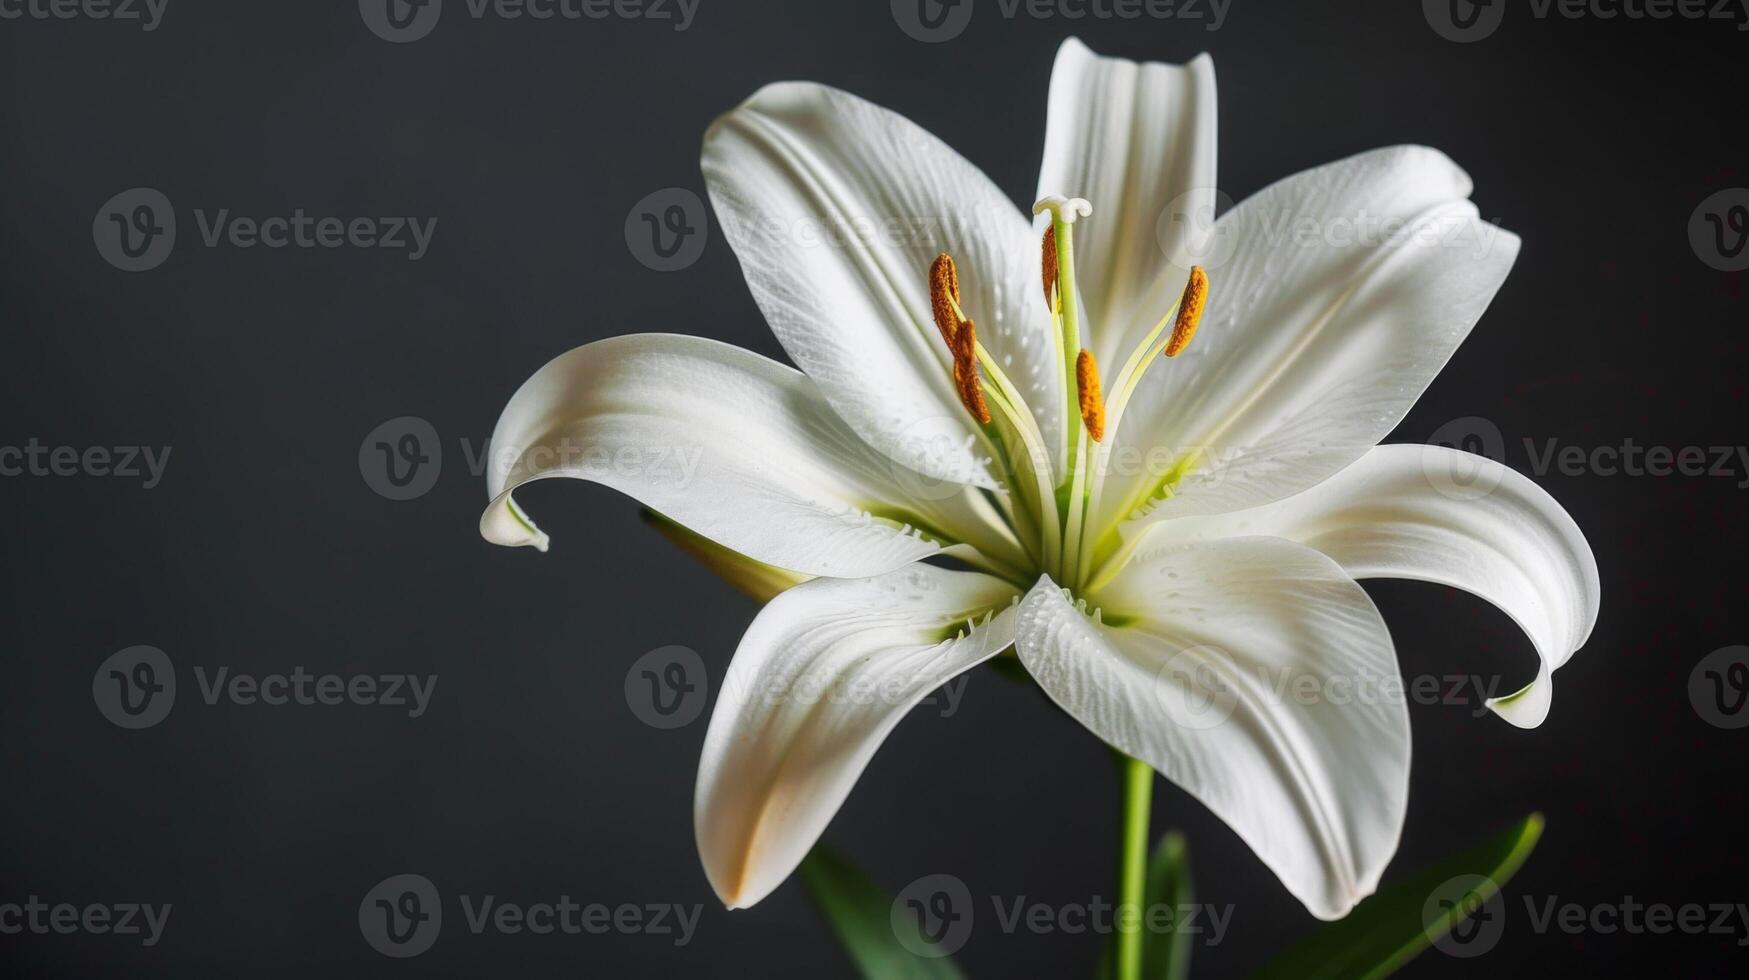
(1156, 549)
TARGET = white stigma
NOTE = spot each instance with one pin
(1064, 209)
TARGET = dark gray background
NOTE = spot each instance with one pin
(264, 548)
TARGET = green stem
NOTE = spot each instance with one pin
(1132, 869)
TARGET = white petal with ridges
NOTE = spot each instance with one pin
(1199, 670)
(1137, 140)
(1348, 288)
(731, 445)
(836, 207)
(1435, 514)
(821, 677)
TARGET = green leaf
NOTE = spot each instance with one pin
(1387, 930)
(1165, 955)
(862, 916)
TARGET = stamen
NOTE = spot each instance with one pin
(1092, 406)
(944, 297)
(1048, 262)
(965, 372)
(1196, 294)
(959, 332)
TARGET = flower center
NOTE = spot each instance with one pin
(1055, 500)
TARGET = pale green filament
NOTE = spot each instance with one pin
(1063, 504)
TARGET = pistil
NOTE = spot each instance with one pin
(1057, 260)
(1065, 502)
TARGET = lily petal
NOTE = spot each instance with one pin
(756, 580)
(1348, 289)
(821, 677)
(1137, 140)
(836, 208)
(731, 445)
(1206, 680)
(1435, 514)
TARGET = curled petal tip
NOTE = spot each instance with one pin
(504, 523)
(1527, 707)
